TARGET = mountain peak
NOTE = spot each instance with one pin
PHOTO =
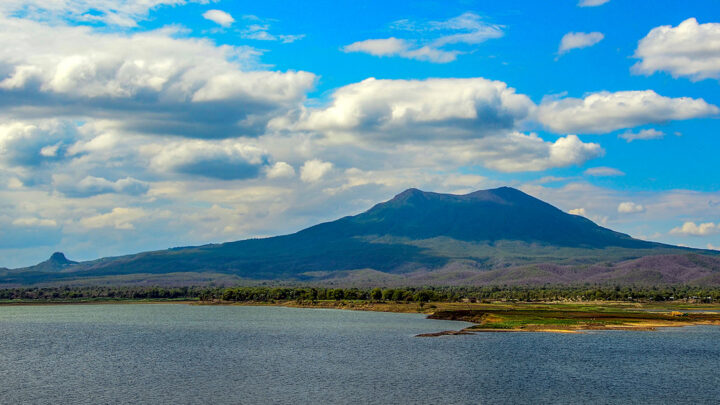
(504, 190)
(59, 258)
(487, 216)
(411, 192)
(500, 195)
(57, 261)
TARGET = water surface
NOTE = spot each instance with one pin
(186, 354)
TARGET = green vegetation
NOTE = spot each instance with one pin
(415, 295)
(557, 318)
(546, 309)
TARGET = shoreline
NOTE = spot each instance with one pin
(496, 317)
(96, 302)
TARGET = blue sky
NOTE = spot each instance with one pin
(136, 125)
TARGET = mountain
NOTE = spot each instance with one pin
(417, 236)
(56, 262)
(488, 215)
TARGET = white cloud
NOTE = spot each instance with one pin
(603, 172)
(314, 170)
(511, 152)
(693, 229)
(379, 47)
(578, 211)
(570, 150)
(113, 160)
(91, 185)
(14, 183)
(660, 206)
(219, 17)
(689, 50)
(118, 218)
(32, 144)
(595, 218)
(605, 112)
(50, 150)
(261, 32)
(280, 170)
(35, 222)
(465, 29)
(644, 135)
(712, 247)
(418, 109)
(579, 40)
(225, 160)
(123, 13)
(403, 48)
(195, 87)
(629, 207)
(591, 3)
(443, 121)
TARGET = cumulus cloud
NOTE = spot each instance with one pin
(256, 156)
(603, 171)
(511, 152)
(465, 29)
(579, 40)
(591, 3)
(225, 160)
(443, 121)
(119, 218)
(91, 185)
(219, 17)
(195, 88)
(643, 135)
(629, 207)
(314, 170)
(605, 112)
(32, 144)
(280, 170)
(523, 152)
(689, 50)
(432, 108)
(578, 211)
(693, 229)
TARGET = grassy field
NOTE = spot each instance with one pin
(543, 317)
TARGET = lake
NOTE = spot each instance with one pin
(191, 354)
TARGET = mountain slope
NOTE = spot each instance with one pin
(414, 232)
(488, 215)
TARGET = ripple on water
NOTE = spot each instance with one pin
(184, 354)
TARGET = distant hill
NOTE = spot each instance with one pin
(487, 237)
(56, 262)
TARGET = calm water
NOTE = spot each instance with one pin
(246, 355)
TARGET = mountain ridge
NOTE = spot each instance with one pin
(415, 231)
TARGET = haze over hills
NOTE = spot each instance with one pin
(498, 236)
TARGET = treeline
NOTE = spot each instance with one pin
(424, 294)
(120, 293)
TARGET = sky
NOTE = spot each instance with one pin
(135, 125)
